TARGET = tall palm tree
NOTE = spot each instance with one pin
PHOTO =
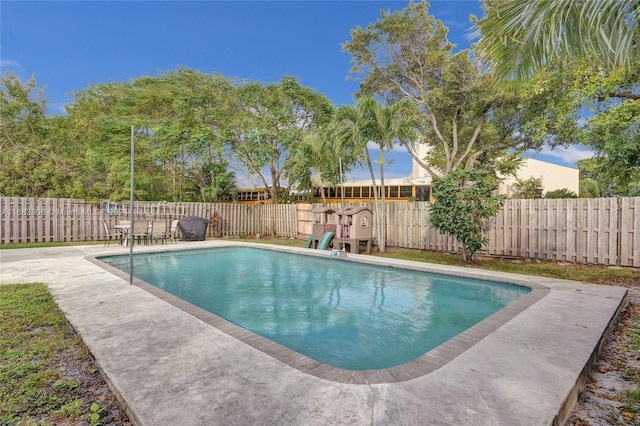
(319, 157)
(351, 142)
(520, 36)
(371, 121)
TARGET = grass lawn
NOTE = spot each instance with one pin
(597, 274)
(56, 244)
(47, 375)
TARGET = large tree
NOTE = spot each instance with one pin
(269, 121)
(36, 156)
(581, 102)
(406, 54)
(613, 130)
(101, 116)
(190, 126)
(465, 124)
(614, 135)
(180, 116)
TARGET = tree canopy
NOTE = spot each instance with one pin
(192, 129)
(196, 132)
(464, 122)
(269, 124)
(35, 158)
(179, 116)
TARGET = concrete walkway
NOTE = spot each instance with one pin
(171, 368)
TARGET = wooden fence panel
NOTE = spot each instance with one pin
(286, 220)
(602, 231)
(524, 227)
(53, 219)
(264, 220)
(22, 233)
(514, 225)
(550, 230)
(304, 219)
(409, 226)
(503, 237)
(237, 216)
(426, 231)
(599, 230)
(6, 214)
(630, 231)
(242, 219)
(574, 230)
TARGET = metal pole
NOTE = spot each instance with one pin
(131, 208)
(342, 206)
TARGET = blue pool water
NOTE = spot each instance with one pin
(344, 314)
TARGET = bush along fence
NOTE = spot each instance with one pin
(585, 230)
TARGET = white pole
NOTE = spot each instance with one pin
(342, 206)
(131, 198)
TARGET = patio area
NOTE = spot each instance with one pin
(170, 366)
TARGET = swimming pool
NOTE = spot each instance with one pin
(343, 314)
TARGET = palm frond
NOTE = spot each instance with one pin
(520, 36)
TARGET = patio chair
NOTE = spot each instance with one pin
(140, 231)
(122, 227)
(110, 234)
(174, 231)
(159, 230)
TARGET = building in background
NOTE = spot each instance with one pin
(417, 186)
(551, 176)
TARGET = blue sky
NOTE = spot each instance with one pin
(69, 45)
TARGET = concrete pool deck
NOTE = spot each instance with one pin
(170, 367)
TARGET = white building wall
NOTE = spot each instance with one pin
(552, 176)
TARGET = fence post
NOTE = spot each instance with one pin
(619, 233)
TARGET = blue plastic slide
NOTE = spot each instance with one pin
(309, 243)
(323, 244)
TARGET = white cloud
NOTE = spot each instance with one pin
(567, 155)
(8, 63)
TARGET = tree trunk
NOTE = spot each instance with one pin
(274, 197)
(181, 180)
(465, 255)
(321, 186)
(376, 211)
(173, 181)
(274, 187)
